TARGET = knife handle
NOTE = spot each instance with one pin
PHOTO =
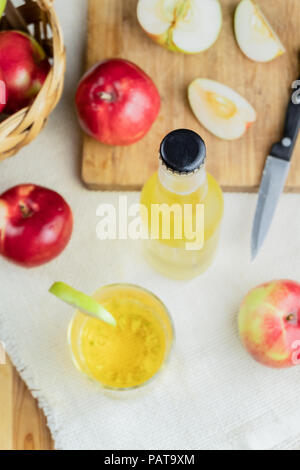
(284, 149)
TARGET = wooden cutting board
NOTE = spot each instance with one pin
(113, 31)
(22, 423)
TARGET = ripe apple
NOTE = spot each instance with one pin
(220, 109)
(24, 66)
(254, 34)
(189, 26)
(269, 323)
(35, 225)
(117, 103)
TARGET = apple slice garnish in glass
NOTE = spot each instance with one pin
(84, 303)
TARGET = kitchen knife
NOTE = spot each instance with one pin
(275, 173)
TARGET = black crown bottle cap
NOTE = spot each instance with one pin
(183, 151)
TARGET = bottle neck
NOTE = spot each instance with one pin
(183, 184)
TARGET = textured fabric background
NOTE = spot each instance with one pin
(212, 396)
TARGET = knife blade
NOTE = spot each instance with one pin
(275, 173)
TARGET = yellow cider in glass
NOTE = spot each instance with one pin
(130, 354)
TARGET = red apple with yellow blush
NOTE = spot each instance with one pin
(35, 225)
(269, 323)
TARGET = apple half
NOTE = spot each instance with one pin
(254, 34)
(221, 110)
(189, 26)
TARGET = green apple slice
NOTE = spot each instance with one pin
(254, 34)
(2, 6)
(82, 302)
(189, 26)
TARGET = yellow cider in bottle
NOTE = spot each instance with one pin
(182, 208)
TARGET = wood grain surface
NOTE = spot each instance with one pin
(22, 423)
(113, 31)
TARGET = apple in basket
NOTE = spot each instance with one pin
(269, 323)
(24, 66)
(117, 103)
(35, 225)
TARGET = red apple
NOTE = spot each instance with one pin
(24, 66)
(269, 323)
(35, 225)
(117, 102)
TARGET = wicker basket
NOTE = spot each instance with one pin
(38, 18)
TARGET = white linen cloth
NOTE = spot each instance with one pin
(213, 395)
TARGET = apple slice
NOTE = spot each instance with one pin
(82, 302)
(2, 6)
(220, 109)
(254, 34)
(188, 26)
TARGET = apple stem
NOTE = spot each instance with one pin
(105, 96)
(25, 211)
(290, 318)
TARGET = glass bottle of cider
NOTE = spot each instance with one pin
(181, 209)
